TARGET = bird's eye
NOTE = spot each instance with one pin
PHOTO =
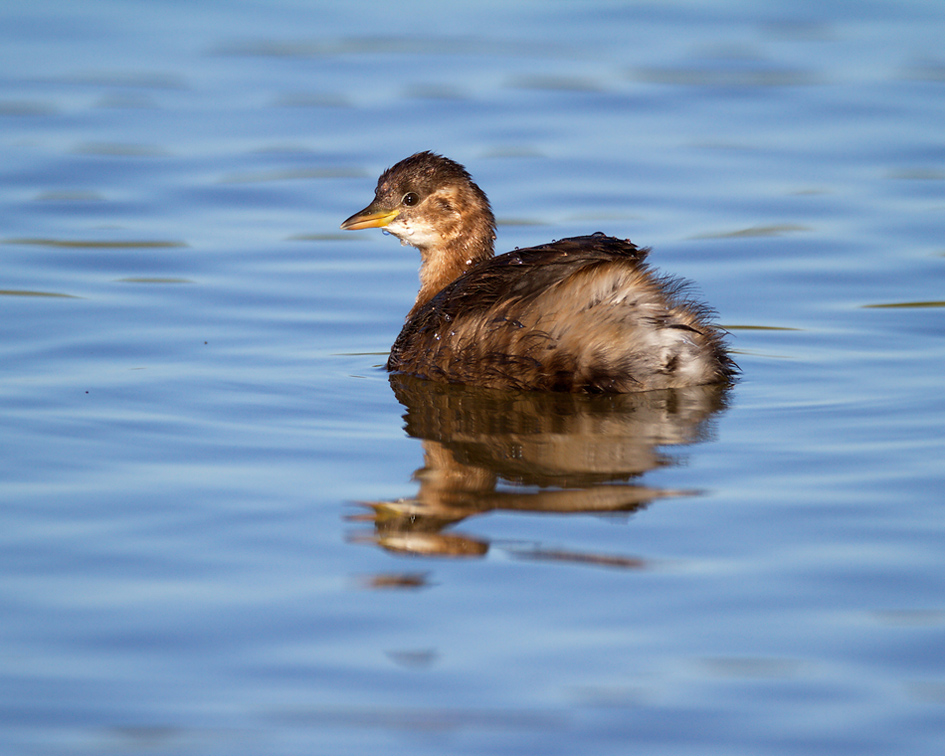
(410, 199)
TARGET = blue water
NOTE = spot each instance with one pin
(223, 530)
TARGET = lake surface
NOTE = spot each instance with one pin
(226, 531)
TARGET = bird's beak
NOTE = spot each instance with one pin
(369, 217)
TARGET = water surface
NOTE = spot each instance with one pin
(224, 530)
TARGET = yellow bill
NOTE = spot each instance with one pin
(369, 218)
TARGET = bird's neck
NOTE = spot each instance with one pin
(452, 255)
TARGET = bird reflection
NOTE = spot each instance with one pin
(560, 453)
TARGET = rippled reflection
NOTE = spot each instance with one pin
(554, 453)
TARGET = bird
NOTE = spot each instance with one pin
(581, 314)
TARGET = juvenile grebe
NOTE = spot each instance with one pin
(579, 314)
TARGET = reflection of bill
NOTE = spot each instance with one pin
(562, 453)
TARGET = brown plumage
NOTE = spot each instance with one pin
(579, 314)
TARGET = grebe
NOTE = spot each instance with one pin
(578, 314)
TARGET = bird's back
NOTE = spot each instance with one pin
(579, 314)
